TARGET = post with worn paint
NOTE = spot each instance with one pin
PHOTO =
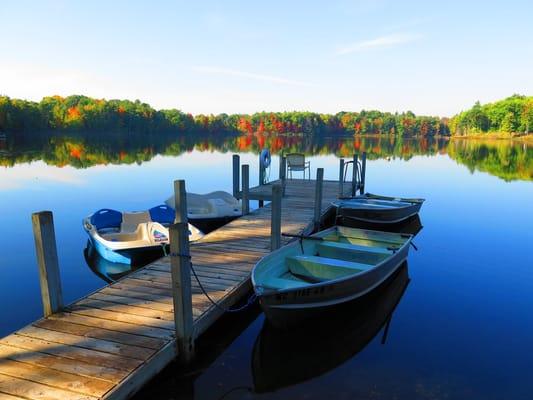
(181, 276)
(281, 165)
(341, 177)
(275, 223)
(46, 249)
(318, 197)
(245, 189)
(283, 174)
(236, 167)
(354, 174)
(261, 172)
(363, 173)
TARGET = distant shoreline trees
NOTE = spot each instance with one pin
(513, 115)
(84, 113)
(81, 113)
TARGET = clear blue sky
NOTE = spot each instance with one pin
(244, 56)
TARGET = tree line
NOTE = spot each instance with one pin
(85, 113)
(513, 115)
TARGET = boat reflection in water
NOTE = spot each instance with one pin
(284, 358)
(110, 271)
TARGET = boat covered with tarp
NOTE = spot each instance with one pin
(210, 211)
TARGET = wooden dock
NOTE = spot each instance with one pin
(112, 342)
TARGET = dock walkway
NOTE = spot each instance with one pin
(110, 343)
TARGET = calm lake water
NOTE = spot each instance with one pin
(461, 329)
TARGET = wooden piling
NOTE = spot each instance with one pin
(181, 276)
(46, 249)
(341, 177)
(354, 174)
(283, 174)
(236, 163)
(318, 197)
(363, 173)
(281, 166)
(275, 223)
(261, 172)
(245, 189)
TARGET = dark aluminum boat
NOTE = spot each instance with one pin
(373, 208)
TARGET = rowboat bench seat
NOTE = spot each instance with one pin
(322, 268)
(352, 252)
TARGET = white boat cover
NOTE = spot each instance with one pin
(216, 204)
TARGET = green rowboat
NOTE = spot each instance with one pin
(331, 267)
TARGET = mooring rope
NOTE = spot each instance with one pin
(251, 300)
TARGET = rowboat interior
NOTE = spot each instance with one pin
(333, 254)
(374, 203)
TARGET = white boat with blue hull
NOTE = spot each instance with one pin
(334, 266)
(122, 237)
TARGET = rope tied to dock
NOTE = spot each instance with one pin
(250, 302)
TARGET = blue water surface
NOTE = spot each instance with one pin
(462, 329)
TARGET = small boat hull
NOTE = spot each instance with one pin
(131, 256)
(291, 308)
(369, 259)
(371, 208)
(411, 225)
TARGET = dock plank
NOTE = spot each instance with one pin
(31, 390)
(62, 364)
(57, 379)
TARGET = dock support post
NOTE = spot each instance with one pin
(363, 173)
(181, 276)
(275, 223)
(236, 162)
(354, 174)
(318, 197)
(283, 174)
(341, 177)
(261, 172)
(245, 189)
(281, 165)
(46, 249)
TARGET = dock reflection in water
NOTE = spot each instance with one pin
(285, 358)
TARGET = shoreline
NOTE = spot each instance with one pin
(496, 136)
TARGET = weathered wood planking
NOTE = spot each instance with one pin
(110, 343)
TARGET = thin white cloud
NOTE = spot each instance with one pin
(382, 41)
(250, 75)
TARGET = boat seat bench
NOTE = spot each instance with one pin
(322, 268)
(352, 252)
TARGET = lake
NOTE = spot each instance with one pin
(461, 321)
